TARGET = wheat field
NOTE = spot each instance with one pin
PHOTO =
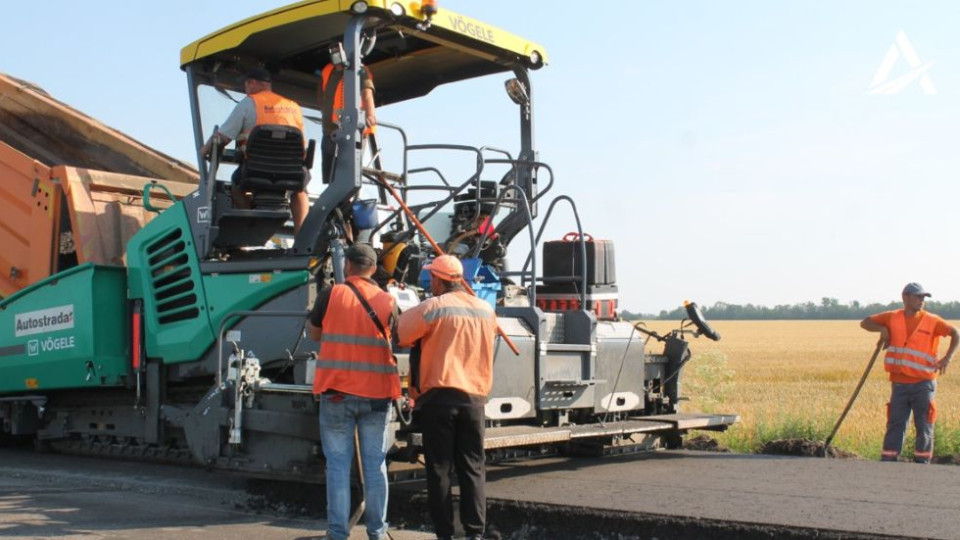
(793, 378)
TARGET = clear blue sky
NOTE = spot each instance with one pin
(732, 150)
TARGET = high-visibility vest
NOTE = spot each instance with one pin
(274, 109)
(332, 102)
(457, 345)
(914, 355)
(355, 358)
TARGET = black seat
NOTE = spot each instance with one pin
(274, 162)
(272, 165)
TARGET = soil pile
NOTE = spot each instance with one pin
(802, 447)
(703, 443)
(949, 459)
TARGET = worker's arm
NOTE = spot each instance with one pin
(367, 104)
(315, 318)
(870, 325)
(243, 116)
(208, 146)
(366, 97)
(315, 332)
(945, 361)
(411, 325)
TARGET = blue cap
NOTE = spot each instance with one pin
(916, 289)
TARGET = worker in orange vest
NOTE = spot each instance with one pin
(355, 383)
(911, 337)
(330, 97)
(262, 106)
(456, 331)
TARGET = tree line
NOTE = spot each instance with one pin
(828, 308)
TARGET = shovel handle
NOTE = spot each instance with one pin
(853, 398)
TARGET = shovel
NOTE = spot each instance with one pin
(358, 513)
(863, 379)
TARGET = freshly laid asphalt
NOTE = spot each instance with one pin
(901, 500)
(43, 495)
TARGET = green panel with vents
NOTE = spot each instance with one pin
(164, 272)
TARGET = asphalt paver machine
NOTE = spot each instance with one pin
(194, 349)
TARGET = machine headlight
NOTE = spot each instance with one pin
(359, 7)
(536, 59)
(397, 9)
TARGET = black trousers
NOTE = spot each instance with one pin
(453, 440)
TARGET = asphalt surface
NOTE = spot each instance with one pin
(900, 500)
(663, 495)
(68, 497)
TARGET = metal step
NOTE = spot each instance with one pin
(510, 436)
(696, 420)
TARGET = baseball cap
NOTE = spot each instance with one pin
(446, 267)
(257, 73)
(915, 288)
(362, 254)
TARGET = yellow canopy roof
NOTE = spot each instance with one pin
(407, 60)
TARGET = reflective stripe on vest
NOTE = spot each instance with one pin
(914, 355)
(929, 365)
(352, 365)
(355, 358)
(454, 311)
(354, 340)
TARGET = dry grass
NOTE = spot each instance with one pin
(793, 379)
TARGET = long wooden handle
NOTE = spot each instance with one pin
(439, 251)
(853, 398)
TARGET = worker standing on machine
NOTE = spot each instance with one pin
(456, 332)
(911, 337)
(261, 106)
(355, 383)
(330, 96)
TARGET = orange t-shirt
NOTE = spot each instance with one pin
(942, 329)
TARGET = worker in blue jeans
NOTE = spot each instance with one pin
(338, 420)
(355, 382)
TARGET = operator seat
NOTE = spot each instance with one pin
(273, 165)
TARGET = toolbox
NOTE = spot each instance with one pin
(562, 259)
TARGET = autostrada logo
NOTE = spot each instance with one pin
(44, 320)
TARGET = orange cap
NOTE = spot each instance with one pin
(446, 267)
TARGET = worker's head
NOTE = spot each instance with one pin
(913, 296)
(256, 80)
(446, 271)
(361, 260)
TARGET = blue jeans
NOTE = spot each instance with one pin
(340, 415)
